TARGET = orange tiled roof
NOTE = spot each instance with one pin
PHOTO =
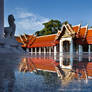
(43, 41)
(89, 36)
(89, 33)
(82, 32)
(50, 40)
(76, 28)
(25, 39)
(18, 39)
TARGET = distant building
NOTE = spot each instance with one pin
(68, 39)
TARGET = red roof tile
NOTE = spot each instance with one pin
(89, 33)
(89, 36)
(76, 28)
(82, 32)
(43, 41)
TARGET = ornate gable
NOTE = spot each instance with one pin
(66, 31)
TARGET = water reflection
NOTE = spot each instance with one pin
(67, 70)
(45, 73)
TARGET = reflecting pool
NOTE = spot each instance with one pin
(47, 72)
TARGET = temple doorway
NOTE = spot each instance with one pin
(66, 46)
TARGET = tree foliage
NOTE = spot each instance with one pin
(50, 27)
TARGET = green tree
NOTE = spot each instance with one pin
(51, 27)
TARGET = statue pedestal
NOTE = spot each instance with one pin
(9, 45)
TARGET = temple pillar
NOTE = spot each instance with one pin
(71, 50)
(71, 47)
(35, 50)
(44, 49)
(1, 18)
(89, 48)
(61, 47)
(89, 52)
(27, 49)
(31, 50)
(39, 49)
(50, 50)
(80, 52)
(55, 51)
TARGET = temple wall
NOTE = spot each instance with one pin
(1, 18)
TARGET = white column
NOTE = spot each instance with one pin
(80, 52)
(35, 50)
(89, 52)
(31, 50)
(1, 18)
(71, 47)
(55, 51)
(71, 51)
(39, 49)
(89, 48)
(80, 49)
(61, 52)
(50, 49)
(61, 47)
(44, 49)
(27, 49)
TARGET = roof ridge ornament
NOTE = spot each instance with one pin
(79, 29)
(86, 31)
(72, 31)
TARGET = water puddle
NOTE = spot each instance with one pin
(46, 73)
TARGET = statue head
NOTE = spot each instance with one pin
(11, 19)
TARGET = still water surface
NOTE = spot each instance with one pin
(46, 73)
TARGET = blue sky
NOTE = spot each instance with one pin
(30, 14)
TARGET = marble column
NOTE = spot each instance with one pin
(35, 50)
(44, 49)
(27, 49)
(50, 49)
(55, 51)
(89, 52)
(80, 52)
(61, 47)
(71, 51)
(1, 18)
(39, 49)
(31, 50)
(89, 48)
(71, 47)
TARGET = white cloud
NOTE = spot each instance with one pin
(27, 22)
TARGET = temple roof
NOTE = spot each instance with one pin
(76, 28)
(43, 41)
(83, 35)
(82, 32)
(89, 36)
